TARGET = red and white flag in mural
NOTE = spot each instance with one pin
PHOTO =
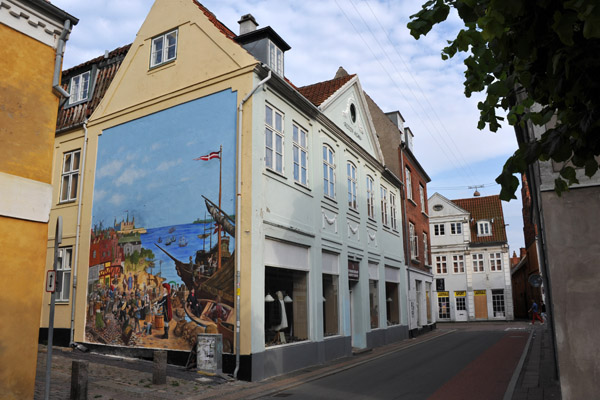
(214, 154)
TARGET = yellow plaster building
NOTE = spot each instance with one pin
(32, 32)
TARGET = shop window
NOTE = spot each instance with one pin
(498, 302)
(286, 312)
(392, 303)
(330, 305)
(374, 303)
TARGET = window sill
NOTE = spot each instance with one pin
(412, 201)
(354, 212)
(78, 102)
(162, 65)
(276, 173)
(330, 202)
(66, 202)
(424, 214)
(302, 186)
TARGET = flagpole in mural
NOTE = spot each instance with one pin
(210, 156)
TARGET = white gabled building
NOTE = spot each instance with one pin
(470, 258)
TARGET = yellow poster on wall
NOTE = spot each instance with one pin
(460, 293)
(480, 292)
(443, 294)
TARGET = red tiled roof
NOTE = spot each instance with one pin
(319, 92)
(70, 117)
(485, 208)
(220, 26)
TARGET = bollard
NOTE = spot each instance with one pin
(159, 368)
(79, 380)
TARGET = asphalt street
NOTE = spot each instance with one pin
(463, 364)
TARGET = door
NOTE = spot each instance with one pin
(460, 302)
(481, 310)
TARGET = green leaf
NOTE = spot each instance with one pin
(560, 186)
(563, 26)
(591, 167)
(569, 174)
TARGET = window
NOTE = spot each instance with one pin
(393, 211)
(63, 274)
(80, 87)
(408, 183)
(425, 248)
(286, 305)
(330, 305)
(275, 58)
(495, 262)
(374, 303)
(458, 263)
(328, 172)
(498, 302)
(478, 263)
(422, 197)
(392, 303)
(438, 230)
(483, 228)
(370, 198)
(164, 48)
(300, 138)
(414, 248)
(440, 265)
(351, 170)
(70, 176)
(273, 139)
(455, 228)
(461, 304)
(384, 206)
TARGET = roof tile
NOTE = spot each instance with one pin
(319, 92)
(485, 208)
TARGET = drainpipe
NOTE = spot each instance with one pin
(60, 49)
(406, 230)
(238, 228)
(75, 265)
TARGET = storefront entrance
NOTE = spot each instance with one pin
(481, 309)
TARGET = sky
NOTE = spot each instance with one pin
(368, 38)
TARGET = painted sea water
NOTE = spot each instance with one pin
(184, 242)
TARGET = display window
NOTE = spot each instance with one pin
(286, 306)
(374, 303)
(392, 303)
(331, 314)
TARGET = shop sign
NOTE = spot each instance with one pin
(353, 270)
(443, 294)
(460, 293)
(480, 293)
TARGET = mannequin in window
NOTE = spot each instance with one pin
(279, 303)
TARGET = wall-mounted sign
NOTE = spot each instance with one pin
(443, 294)
(440, 284)
(480, 292)
(460, 293)
(51, 281)
(353, 270)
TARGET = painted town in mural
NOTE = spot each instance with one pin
(161, 261)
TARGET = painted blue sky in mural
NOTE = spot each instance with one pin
(146, 167)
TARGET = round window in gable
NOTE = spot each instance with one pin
(352, 113)
(438, 207)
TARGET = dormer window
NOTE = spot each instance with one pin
(275, 58)
(164, 48)
(80, 87)
(484, 228)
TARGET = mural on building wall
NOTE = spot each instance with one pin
(163, 224)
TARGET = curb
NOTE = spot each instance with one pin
(510, 390)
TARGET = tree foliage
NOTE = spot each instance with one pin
(539, 61)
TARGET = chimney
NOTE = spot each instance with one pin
(247, 24)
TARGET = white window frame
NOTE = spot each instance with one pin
(164, 50)
(275, 58)
(478, 265)
(414, 244)
(422, 197)
(384, 205)
(439, 230)
(456, 228)
(425, 249)
(370, 197)
(484, 228)
(441, 267)
(80, 87)
(393, 220)
(69, 181)
(300, 150)
(63, 270)
(458, 264)
(408, 179)
(328, 171)
(495, 262)
(274, 139)
(351, 172)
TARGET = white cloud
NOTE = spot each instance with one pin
(166, 165)
(130, 176)
(116, 199)
(110, 169)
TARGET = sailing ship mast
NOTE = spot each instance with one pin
(219, 225)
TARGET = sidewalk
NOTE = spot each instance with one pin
(537, 378)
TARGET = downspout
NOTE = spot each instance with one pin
(238, 228)
(406, 231)
(60, 49)
(75, 265)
